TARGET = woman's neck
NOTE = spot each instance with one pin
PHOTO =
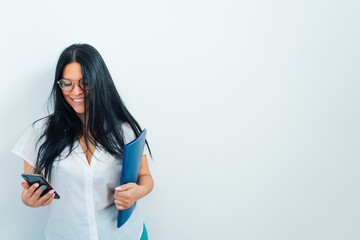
(82, 117)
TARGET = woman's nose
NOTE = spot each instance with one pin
(77, 89)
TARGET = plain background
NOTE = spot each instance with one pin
(252, 109)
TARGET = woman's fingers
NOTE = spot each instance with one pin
(38, 192)
(123, 200)
(30, 191)
(126, 195)
(34, 200)
(122, 195)
(125, 187)
(25, 185)
(32, 195)
(47, 198)
(121, 205)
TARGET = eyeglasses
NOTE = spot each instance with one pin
(67, 85)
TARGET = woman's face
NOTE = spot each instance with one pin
(75, 97)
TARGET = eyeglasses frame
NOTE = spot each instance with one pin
(72, 84)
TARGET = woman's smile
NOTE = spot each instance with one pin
(78, 101)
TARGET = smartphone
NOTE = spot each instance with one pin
(37, 178)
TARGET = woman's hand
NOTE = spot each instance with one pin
(31, 195)
(127, 194)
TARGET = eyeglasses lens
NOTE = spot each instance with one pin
(65, 85)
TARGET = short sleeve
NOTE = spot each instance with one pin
(130, 135)
(26, 147)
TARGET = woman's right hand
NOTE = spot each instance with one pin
(31, 195)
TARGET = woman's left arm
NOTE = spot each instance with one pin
(127, 194)
(145, 179)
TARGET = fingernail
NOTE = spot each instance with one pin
(43, 187)
(36, 184)
(53, 195)
(118, 188)
(51, 191)
(21, 183)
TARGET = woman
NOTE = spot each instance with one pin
(78, 148)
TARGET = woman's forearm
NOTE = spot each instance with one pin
(146, 183)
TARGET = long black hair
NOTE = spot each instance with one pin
(102, 123)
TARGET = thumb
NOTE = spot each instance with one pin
(25, 185)
(123, 187)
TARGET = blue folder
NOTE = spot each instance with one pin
(132, 158)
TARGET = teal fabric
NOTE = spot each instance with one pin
(144, 235)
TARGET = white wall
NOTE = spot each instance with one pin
(252, 109)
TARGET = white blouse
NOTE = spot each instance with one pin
(86, 208)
